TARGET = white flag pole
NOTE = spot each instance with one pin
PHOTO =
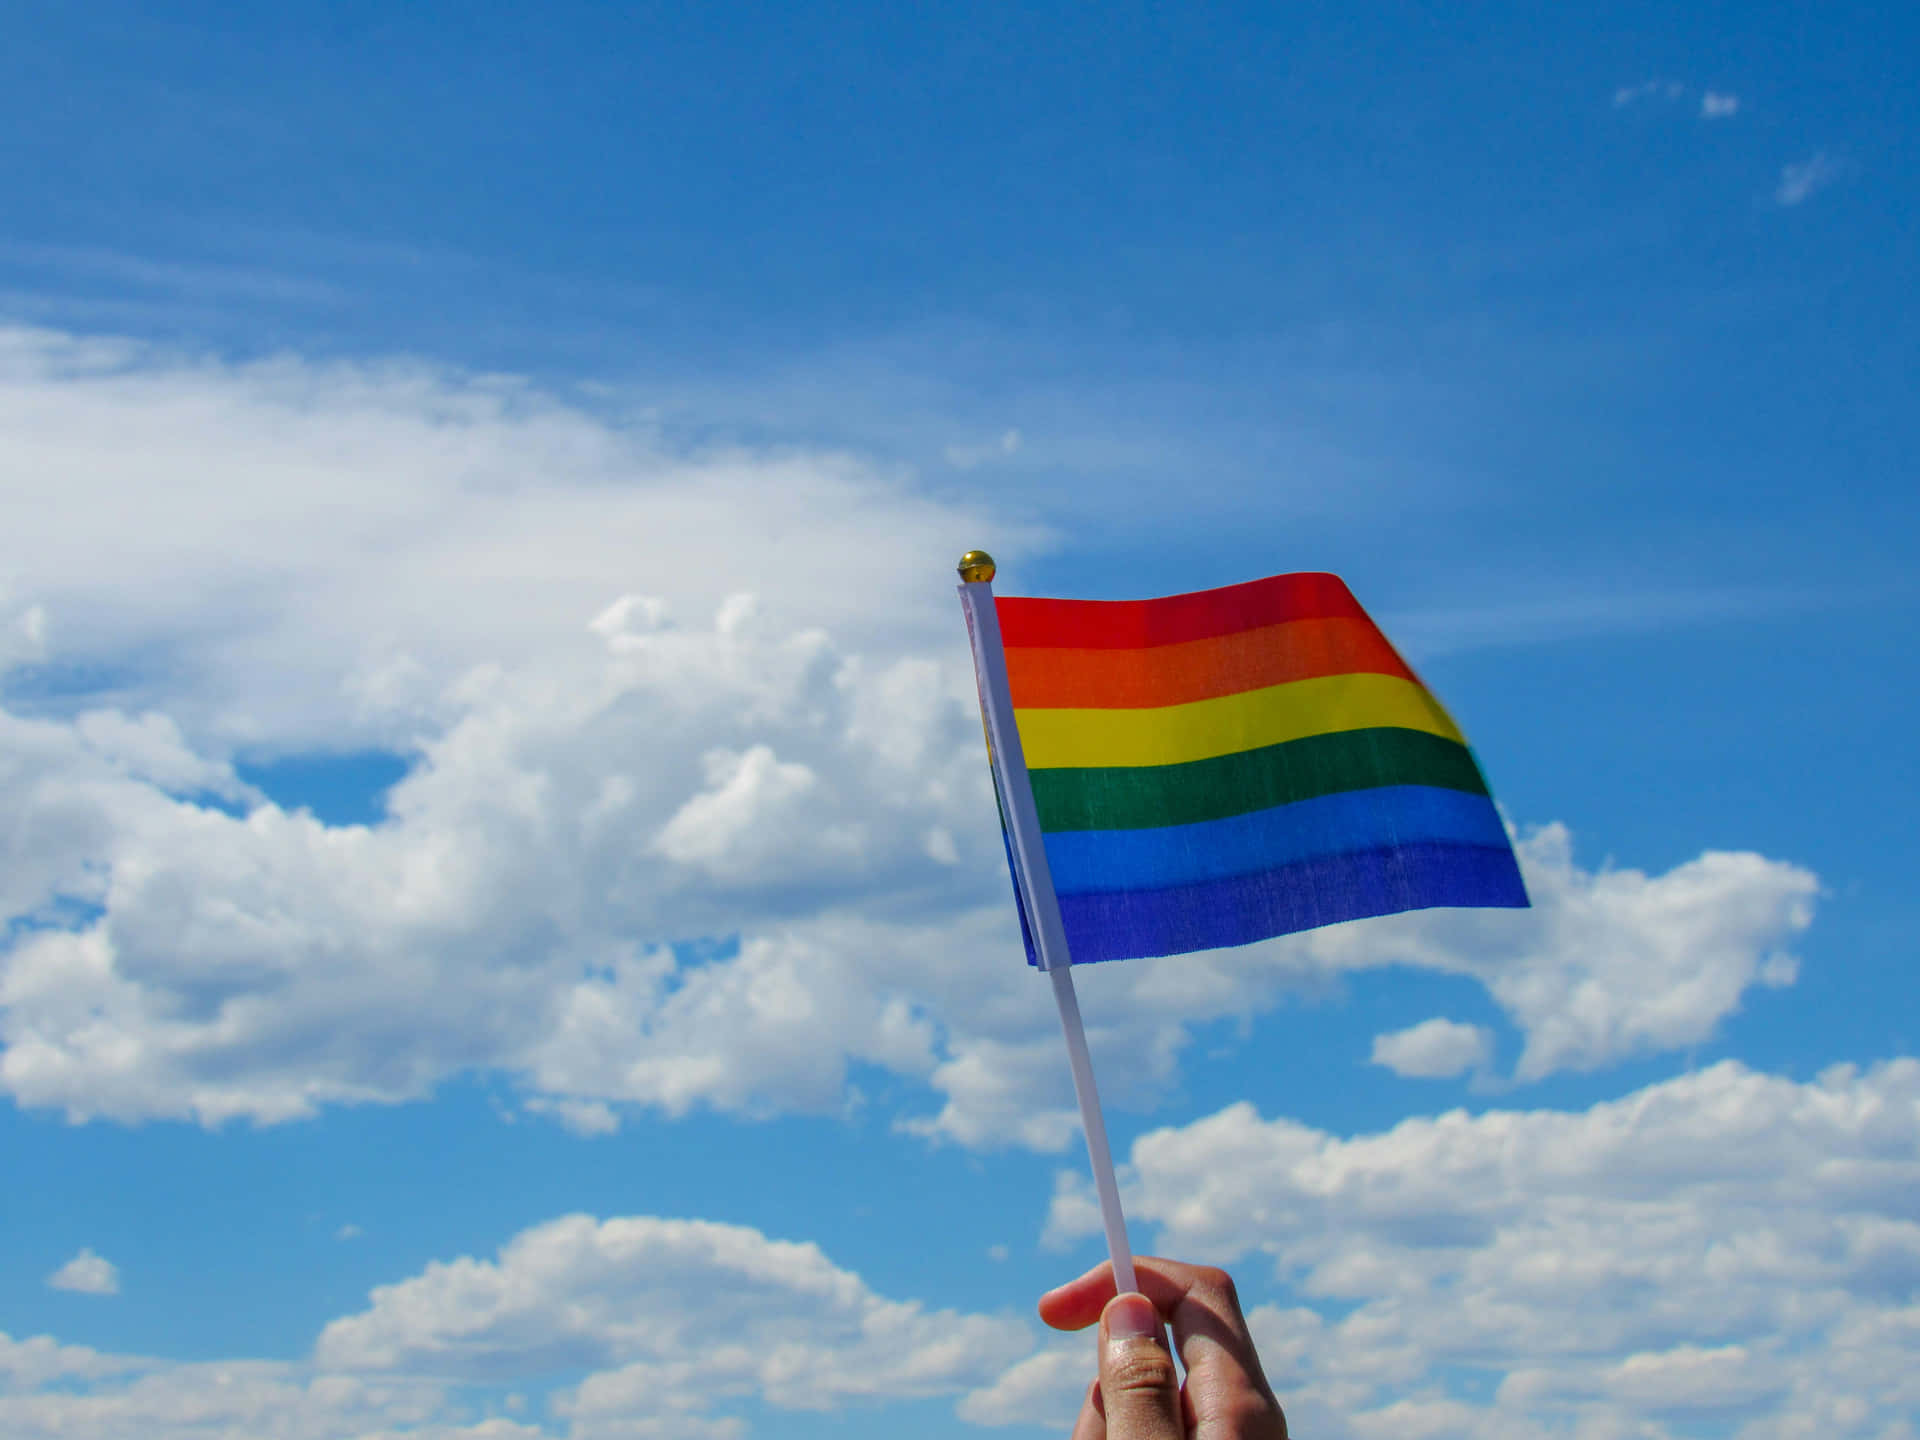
(1036, 886)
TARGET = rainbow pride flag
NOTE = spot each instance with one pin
(1220, 767)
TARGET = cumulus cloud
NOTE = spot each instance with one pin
(1715, 105)
(753, 814)
(674, 1323)
(1726, 1245)
(41, 1360)
(284, 553)
(678, 1311)
(1609, 963)
(67, 1393)
(1802, 179)
(87, 1274)
(661, 843)
(1044, 1387)
(1434, 1049)
(517, 851)
(509, 916)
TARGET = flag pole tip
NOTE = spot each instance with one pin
(976, 567)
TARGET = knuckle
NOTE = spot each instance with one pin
(1219, 1280)
(1138, 1369)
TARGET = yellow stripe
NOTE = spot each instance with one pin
(1202, 729)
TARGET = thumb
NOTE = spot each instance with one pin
(1138, 1384)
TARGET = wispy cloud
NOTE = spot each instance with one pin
(967, 457)
(1714, 104)
(1530, 617)
(1627, 95)
(186, 279)
(1804, 178)
(87, 1274)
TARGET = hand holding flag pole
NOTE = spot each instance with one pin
(1034, 886)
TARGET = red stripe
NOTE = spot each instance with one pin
(1173, 619)
(1107, 679)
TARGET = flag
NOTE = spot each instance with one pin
(1219, 767)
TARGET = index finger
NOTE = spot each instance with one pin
(1201, 1303)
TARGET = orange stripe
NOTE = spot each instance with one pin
(1059, 679)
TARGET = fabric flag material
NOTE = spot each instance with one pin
(1216, 768)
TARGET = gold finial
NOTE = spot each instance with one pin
(976, 566)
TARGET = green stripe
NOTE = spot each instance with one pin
(1135, 797)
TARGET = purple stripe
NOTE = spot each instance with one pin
(1127, 924)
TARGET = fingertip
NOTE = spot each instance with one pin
(1131, 1316)
(1096, 1287)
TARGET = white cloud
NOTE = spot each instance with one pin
(223, 284)
(506, 917)
(675, 1315)
(40, 1361)
(971, 457)
(1607, 964)
(1804, 178)
(662, 844)
(581, 1117)
(151, 748)
(512, 874)
(675, 1322)
(87, 1274)
(1714, 104)
(348, 1232)
(753, 813)
(286, 553)
(1434, 1049)
(1668, 90)
(1569, 612)
(995, 1091)
(1726, 1246)
(23, 633)
(1043, 1388)
(112, 1397)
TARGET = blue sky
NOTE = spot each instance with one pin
(413, 841)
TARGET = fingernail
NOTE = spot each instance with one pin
(1132, 1317)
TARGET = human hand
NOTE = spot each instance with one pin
(1138, 1395)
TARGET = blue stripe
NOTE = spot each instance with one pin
(1382, 818)
(1013, 873)
(1019, 900)
(1323, 891)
